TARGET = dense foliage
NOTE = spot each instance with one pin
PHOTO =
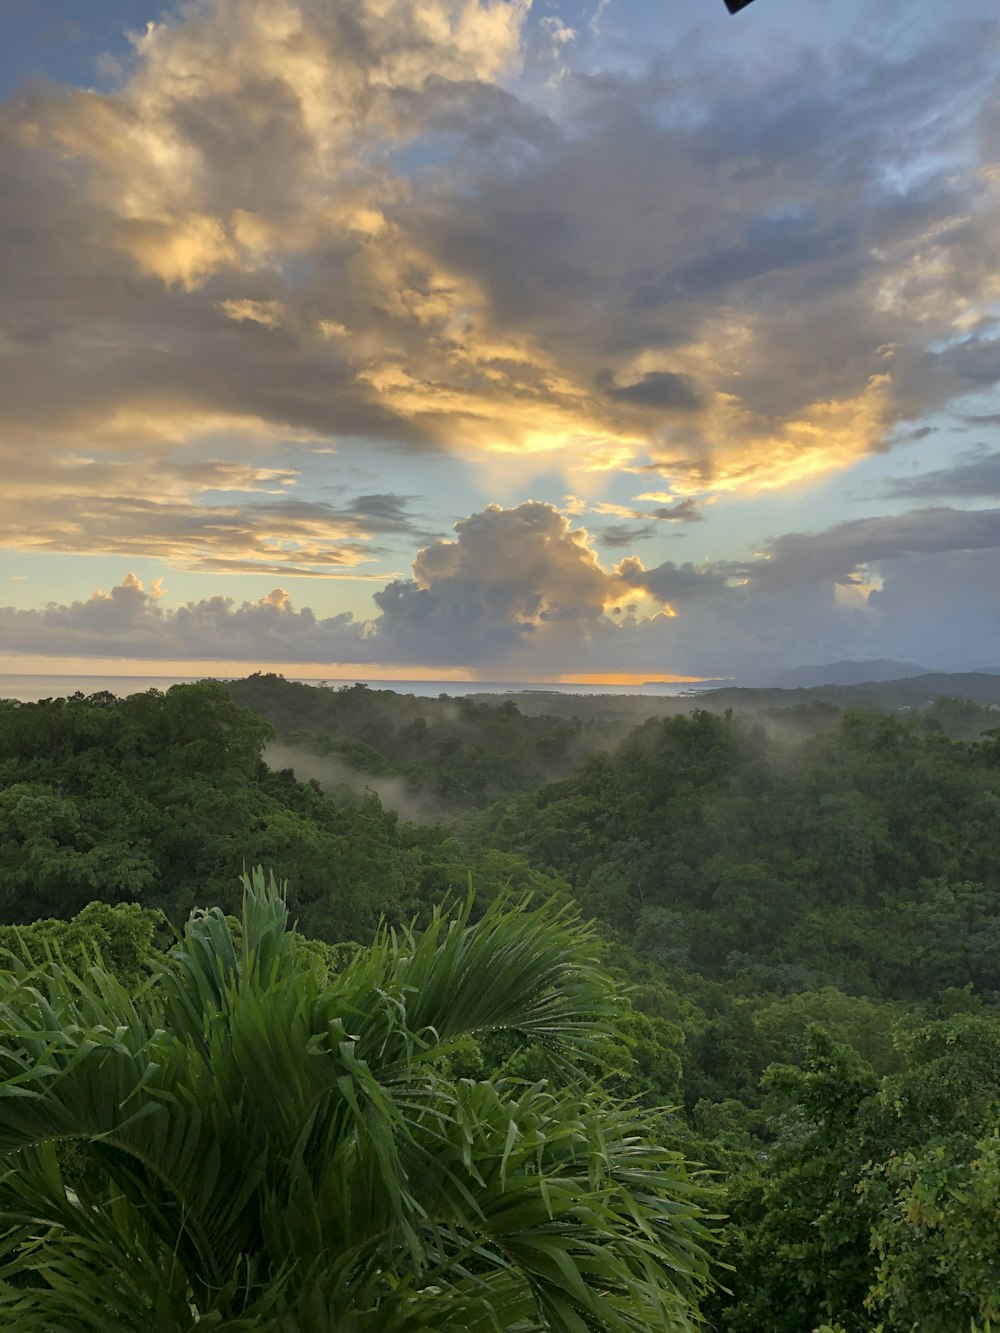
(164, 798)
(802, 905)
(436, 755)
(259, 1144)
(866, 857)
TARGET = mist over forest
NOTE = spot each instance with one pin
(795, 905)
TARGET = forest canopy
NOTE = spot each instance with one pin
(796, 910)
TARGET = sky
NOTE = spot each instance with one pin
(575, 339)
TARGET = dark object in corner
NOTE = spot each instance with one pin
(734, 6)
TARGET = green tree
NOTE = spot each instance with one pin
(938, 1244)
(876, 1208)
(272, 1146)
(800, 1238)
(121, 938)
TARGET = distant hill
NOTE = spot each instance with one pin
(964, 714)
(890, 695)
(844, 673)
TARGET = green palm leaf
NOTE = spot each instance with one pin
(240, 1147)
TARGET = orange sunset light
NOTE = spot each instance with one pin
(627, 678)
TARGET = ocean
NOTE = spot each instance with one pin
(28, 689)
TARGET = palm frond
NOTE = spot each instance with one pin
(240, 1146)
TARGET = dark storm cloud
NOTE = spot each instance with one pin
(946, 605)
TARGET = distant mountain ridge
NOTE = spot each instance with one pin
(908, 692)
(874, 670)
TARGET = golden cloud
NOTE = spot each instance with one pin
(545, 291)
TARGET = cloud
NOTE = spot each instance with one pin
(515, 586)
(975, 475)
(675, 511)
(677, 584)
(655, 389)
(646, 522)
(804, 336)
(521, 591)
(514, 582)
(131, 621)
(382, 513)
(622, 536)
(835, 554)
(319, 219)
(149, 301)
(193, 513)
(942, 609)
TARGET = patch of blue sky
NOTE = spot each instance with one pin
(77, 42)
(33, 577)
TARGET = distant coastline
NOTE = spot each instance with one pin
(30, 688)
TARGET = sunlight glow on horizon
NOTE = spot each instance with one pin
(335, 672)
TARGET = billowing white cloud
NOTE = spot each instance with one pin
(521, 591)
(516, 585)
